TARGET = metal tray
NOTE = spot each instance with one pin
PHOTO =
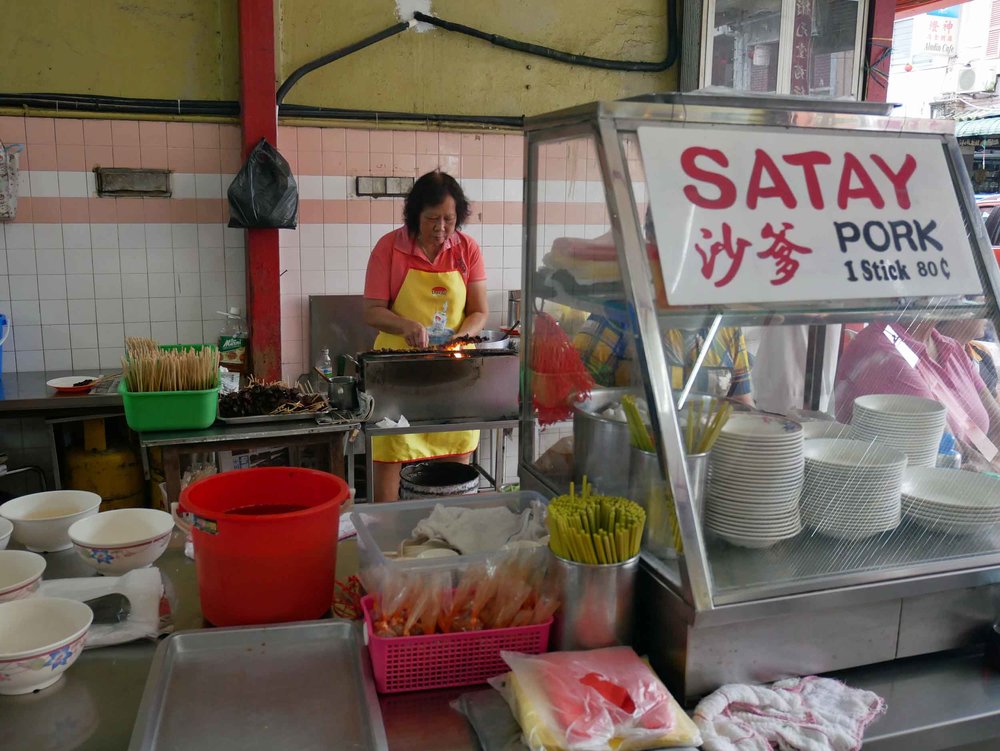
(269, 418)
(296, 686)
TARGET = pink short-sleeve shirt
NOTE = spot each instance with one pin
(396, 253)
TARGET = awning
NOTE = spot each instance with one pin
(983, 126)
(909, 8)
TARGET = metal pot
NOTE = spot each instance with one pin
(343, 393)
(493, 339)
(601, 444)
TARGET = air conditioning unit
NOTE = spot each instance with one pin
(979, 76)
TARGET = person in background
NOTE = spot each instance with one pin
(423, 273)
(605, 345)
(970, 334)
(887, 358)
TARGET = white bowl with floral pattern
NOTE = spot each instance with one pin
(20, 574)
(40, 637)
(41, 519)
(115, 542)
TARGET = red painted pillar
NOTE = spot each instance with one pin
(259, 119)
(881, 16)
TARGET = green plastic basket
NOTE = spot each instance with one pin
(170, 410)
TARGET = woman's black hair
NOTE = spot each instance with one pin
(430, 190)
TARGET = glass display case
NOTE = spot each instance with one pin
(796, 302)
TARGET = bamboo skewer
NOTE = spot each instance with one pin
(594, 529)
(146, 367)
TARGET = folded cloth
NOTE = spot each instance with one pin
(143, 588)
(798, 714)
(481, 530)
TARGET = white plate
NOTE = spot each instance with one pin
(758, 543)
(820, 429)
(845, 452)
(898, 405)
(760, 530)
(952, 488)
(762, 426)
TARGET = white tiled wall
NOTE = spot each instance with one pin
(73, 292)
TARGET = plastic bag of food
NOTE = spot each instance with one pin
(264, 194)
(591, 701)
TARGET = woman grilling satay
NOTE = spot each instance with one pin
(425, 284)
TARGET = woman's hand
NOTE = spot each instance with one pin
(414, 333)
(378, 315)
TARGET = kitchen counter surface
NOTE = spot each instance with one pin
(23, 394)
(938, 702)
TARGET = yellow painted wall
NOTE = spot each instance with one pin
(444, 72)
(188, 49)
(158, 49)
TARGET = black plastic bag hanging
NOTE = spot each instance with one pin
(263, 194)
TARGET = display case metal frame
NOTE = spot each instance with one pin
(680, 608)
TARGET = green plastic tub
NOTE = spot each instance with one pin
(169, 410)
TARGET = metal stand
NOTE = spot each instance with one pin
(497, 430)
(338, 436)
(32, 468)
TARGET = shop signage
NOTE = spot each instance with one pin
(743, 216)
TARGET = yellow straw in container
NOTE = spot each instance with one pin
(594, 529)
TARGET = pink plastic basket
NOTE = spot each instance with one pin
(411, 663)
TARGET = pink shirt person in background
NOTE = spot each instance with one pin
(889, 359)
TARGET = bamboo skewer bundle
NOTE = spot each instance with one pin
(594, 529)
(148, 368)
(703, 427)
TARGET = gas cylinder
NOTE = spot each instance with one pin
(113, 472)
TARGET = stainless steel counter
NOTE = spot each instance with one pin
(940, 702)
(26, 394)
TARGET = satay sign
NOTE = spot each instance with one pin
(745, 217)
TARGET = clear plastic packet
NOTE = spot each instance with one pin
(591, 701)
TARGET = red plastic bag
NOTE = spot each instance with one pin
(584, 701)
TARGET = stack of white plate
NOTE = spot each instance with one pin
(824, 429)
(947, 500)
(909, 423)
(755, 477)
(851, 488)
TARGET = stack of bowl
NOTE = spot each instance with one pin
(754, 481)
(42, 520)
(852, 488)
(911, 424)
(20, 574)
(40, 637)
(958, 503)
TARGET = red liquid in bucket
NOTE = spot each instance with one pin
(265, 543)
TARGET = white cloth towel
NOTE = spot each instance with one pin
(798, 714)
(482, 530)
(143, 588)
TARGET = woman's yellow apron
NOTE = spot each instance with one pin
(423, 294)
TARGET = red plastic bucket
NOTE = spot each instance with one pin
(265, 543)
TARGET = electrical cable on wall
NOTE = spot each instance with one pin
(230, 109)
(567, 57)
(628, 66)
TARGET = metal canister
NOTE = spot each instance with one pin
(649, 489)
(513, 307)
(597, 604)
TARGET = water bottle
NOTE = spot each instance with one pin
(324, 364)
(948, 456)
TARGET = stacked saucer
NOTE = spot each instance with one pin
(755, 477)
(910, 424)
(851, 488)
(947, 500)
(824, 429)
